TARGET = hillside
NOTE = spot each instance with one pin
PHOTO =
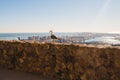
(61, 61)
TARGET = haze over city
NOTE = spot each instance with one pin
(59, 16)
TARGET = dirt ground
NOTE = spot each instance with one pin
(17, 75)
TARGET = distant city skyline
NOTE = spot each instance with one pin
(59, 16)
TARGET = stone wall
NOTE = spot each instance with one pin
(61, 61)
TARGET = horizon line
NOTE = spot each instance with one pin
(63, 32)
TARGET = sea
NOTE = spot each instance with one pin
(14, 36)
(104, 40)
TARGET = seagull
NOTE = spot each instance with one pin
(52, 35)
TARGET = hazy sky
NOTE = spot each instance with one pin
(59, 15)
